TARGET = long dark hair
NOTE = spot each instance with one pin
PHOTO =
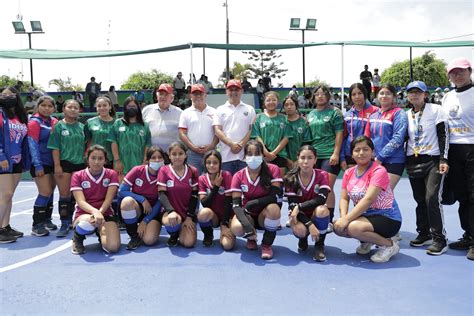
(265, 175)
(210, 153)
(151, 150)
(109, 102)
(291, 97)
(291, 178)
(359, 86)
(19, 110)
(126, 118)
(94, 148)
(362, 139)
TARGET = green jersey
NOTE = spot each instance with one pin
(300, 132)
(131, 140)
(70, 140)
(323, 127)
(97, 131)
(272, 130)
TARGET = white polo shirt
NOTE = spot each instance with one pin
(236, 121)
(198, 125)
(163, 124)
(459, 109)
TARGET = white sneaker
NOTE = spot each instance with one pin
(287, 224)
(385, 253)
(330, 228)
(364, 248)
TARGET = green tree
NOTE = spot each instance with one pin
(6, 81)
(146, 80)
(312, 84)
(238, 70)
(426, 68)
(263, 62)
(65, 85)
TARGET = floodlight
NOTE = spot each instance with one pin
(311, 24)
(36, 26)
(19, 27)
(295, 23)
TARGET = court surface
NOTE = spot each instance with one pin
(40, 276)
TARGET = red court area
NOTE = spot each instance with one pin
(40, 276)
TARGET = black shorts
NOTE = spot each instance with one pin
(394, 168)
(384, 226)
(279, 161)
(158, 217)
(16, 168)
(46, 169)
(324, 165)
(69, 167)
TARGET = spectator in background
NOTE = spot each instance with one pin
(375, 83)
(246, 85)
(267, 82)
(112, 95)
(366, 77)
(18, 86)
(30, 105)
(59, 103)
(179, 85)
(93, 91)
(206, 83)
(293, 91)
(402, 98)
(437, 96)
(260, 91)
(79, 99)
(139, 96)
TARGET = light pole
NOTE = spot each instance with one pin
(227, 40)
(310, 26)
(35, 29)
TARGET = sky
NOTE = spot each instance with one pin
(146, 24)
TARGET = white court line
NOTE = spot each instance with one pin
(37, 258)
(26, 211)
(25, 200)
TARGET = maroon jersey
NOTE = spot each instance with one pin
(205, 187)
(143, 183)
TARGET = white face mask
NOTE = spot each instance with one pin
(253, 162)
(155, 165)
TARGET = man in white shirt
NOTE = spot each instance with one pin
(163, 118)
(233, 126)
(195, 127)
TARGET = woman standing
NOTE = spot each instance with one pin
(42, 169)
(112, 95)
(14, 156)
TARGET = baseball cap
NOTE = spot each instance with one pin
(458, 63)
(166, 87)
(418, 85)
(198, 88)
(233, 83)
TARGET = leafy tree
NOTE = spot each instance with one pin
(65, 85)
(426, 68)
(6, 81)
(146, 80)
(238, 71)
(265, 61)
(312, 84)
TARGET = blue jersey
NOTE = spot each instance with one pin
(39, 130)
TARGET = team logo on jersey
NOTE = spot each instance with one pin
(262, 124)
(170, 183)
(326, 119)
(310, 119)
(221, 190)
(85, 184)
(141, 133)
(122, 129)
(453, 111)
(282, 125)
(244, 188)
(139, 182)
(316, 188)
(65, 133)
(300, 130)
(95, 128)
(106, 182)
(246, 113)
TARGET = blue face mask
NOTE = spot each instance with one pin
(253, 162)
(155, 165)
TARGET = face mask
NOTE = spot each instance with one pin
(253, 162)
(131, 112)
(155, 165)
(8, 101)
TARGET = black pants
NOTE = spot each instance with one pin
(426, 185)
(461, 181)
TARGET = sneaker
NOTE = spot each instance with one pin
(470, 253)
(78, 247)
(39, 230)
(13, 232)
(63, 230)
(438, 247)
(385, 253)
(288, 223)
(279, 227)
(134, 243)
(463, 243)
(121, 226)
(421, 240)
(5, 238)
(318, 254)
(330, 228)
(49, 225)
(364, 248)
(172, 241)
(267, 252)
(208, 240)
(303, 244)
(251, 244)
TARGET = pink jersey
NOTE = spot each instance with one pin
(250, 190)
(178, 189)
(94, 190)
(205, 187)
(319, 180)
(375, 175)
(143, 183)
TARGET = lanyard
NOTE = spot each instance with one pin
(418, 130)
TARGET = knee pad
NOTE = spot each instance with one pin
(271, 224)
(129, 217)
(85, 228)
(173, 229)
(321, 224)
(41, 201)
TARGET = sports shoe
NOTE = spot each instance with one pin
(63, 230)
(251, 244)
(303, 244)
(288, 223)
(463, 243)
(5, 238)
(122, 226)
(384, 253)
(318, 254)
(330, 228)
(78, 246)
(49, 225)
(438, 247)
(267, 252)
(364, 248)
(134, 243)
(470, 253)
(208, 240)
(172, 241)
(39, 230)
(12, 231)
(421, 240)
